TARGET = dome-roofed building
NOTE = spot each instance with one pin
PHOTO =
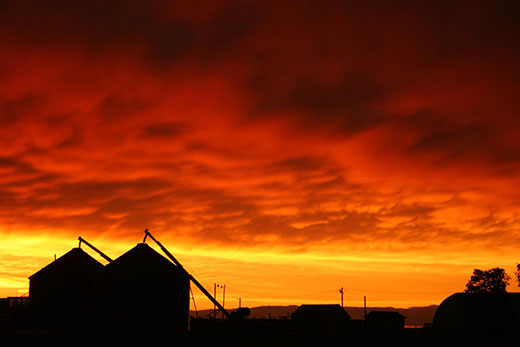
(482, 312)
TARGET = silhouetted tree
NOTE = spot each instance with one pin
(517, 274)
(488, 281)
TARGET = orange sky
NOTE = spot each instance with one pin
(285, 150)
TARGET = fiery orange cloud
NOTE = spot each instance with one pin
(279, 148)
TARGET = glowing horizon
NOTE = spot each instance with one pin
(239, 270)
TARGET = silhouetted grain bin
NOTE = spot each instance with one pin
(321, 317)
(63, 292)
(145, 292)
(384, 321)
(478, 312)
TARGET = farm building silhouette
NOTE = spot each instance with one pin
(64, 292)
(384, 321)
(479, 312)
(140, 290)
(321, 317)
(143, 290)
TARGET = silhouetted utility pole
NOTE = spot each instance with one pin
(223, 298)
(341, 292)
(365, 306)
(194, 305)
(239, 302)
(215, 286)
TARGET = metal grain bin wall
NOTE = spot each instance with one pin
(64, 292)
(144, 292)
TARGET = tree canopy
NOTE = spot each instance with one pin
(488, 281)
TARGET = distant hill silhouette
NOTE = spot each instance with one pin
(414, 315)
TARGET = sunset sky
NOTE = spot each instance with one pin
(283, 148)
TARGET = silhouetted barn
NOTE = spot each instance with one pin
(478, 312)
(321, 317)
(63, 292)
(143, 291)
(384, 321)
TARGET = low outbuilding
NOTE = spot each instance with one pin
(384, 321)
(321, 317)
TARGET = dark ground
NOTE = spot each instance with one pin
(250, 333)
(415, 316)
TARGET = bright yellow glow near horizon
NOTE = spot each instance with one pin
(263, 278)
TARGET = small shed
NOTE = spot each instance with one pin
(63, 292)
(384, 321)
(145, 292)
(321, 317)
(479, 312)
